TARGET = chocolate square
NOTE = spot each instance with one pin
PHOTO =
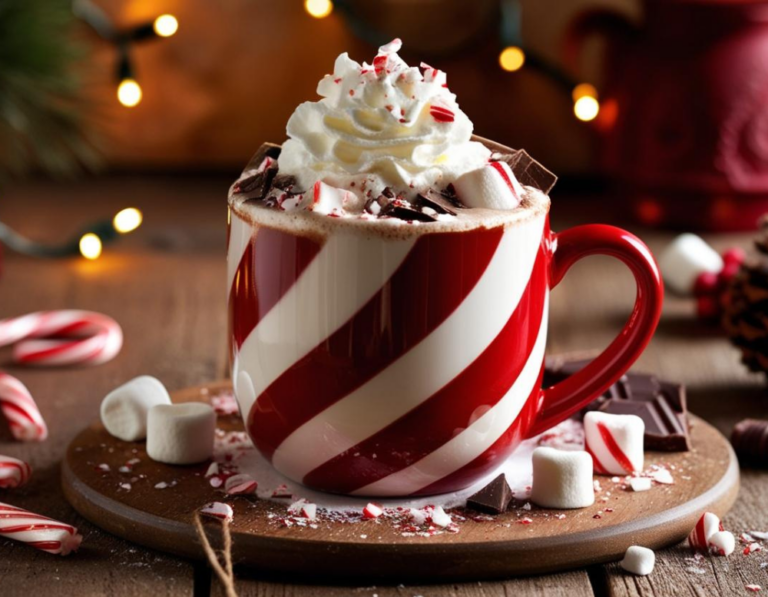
(529, 172)
(662, 405)
(493, 498)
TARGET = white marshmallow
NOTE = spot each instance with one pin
(181, 433)
(615, 442)
(493, 186)
(685, 259)
(722, 543)
(124, 410)
(328, 200)
(562, 479)
(639, 560)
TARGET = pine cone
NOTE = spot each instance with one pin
(745, 305)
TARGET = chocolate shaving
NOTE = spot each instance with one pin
(375, 205)
(256, 185)
(528, 171)
(270, 150)
(396, 209)
(287, 183)
(493, 498)
(434, 201)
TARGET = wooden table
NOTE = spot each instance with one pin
(165, 284)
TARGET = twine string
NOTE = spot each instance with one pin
(226, 574)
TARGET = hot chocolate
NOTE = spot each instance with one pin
(388, 279)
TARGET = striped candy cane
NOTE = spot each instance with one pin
(38, 531)
(18, 406)
(13, 472)
(62, 337)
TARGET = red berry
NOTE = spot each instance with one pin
(707, 307)
(734, 255)
(705, 284)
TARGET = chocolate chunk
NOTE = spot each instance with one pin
(434, 201)
(529, 172)
(750, 441)
(388, 193)
(661, 405)
(493, 498)
(403, 211)
(287, 183)
(267, 150)
(375, 205)
(256, 185)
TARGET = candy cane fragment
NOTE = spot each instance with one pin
(13, 472)
(38, 531)
(19, 408)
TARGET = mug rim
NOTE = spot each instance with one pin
(308, 224)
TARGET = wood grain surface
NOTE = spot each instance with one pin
(706, 479)
(165, 286)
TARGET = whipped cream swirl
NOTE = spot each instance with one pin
(380, 125)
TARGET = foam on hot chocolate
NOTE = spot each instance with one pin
(308, 223)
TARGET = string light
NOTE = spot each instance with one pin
(89, 242)
(129, 93)
(127, 220)
(512, 58)
(583, 90)
(318, 8)
(586, 108)
(90, 246)
(585, 104)
(166, 25)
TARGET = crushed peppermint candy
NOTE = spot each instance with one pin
(241, 484)
(218, 510)
(225, 404)
(640, 483)
(372, 511)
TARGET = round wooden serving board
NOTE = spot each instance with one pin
(706, 478)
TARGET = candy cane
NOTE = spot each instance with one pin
(62, 337)
(13, 472)
(38, 531)
(19, 408)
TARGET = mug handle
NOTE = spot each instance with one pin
(566, 397)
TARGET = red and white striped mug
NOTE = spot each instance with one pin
(373, 363)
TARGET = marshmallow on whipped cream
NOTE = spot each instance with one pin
(386, 140)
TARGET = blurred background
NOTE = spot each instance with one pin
(624, 99)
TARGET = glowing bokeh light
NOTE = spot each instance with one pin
(129, 93)
(166, 25)
(127, 220)
(511, 59)
(318, 8)
(90, 246)
(586, 108)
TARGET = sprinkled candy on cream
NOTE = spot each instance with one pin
(377, 126)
